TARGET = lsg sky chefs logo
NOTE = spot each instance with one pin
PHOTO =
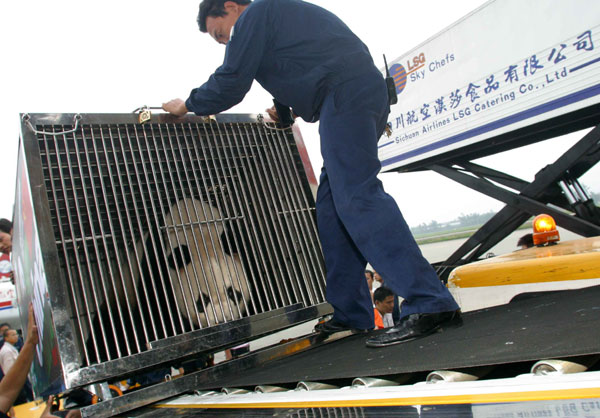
(398, 71)
(416, 69)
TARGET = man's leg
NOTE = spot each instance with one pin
(352, 119)
(347, 289)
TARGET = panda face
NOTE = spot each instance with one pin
(210, 285)
(180, 257)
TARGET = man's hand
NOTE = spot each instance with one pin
(32, 329)
(175, 107)
(274, 115)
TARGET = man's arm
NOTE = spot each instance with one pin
(243, 55)
(13, 381)
(232, 80)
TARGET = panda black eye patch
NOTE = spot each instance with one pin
(234, 294)
(180, 257)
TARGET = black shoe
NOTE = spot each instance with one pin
(416, 326)
(332, 326)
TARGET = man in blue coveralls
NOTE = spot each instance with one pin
(309, 60)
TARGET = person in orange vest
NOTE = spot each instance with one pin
(384, 305)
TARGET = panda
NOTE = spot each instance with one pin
(189, 277)
(203, 283)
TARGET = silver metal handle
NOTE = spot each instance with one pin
(76, 119)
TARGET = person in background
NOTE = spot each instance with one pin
(8, 352)
(6, 248)
(18, 345)
(384, 305)
(5, 236)
(8, 355)
(379, 282)
(15, 378)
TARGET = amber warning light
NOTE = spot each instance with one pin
(544, 230)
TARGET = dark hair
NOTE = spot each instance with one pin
(526, 240)
(381, 293)
(369, 272)
(214, 8)
(5, 225)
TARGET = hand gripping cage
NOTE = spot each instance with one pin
(144, 244)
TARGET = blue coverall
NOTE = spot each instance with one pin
(308, 59)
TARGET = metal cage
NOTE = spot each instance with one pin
(161, 240)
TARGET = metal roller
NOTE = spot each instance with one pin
(457, 375)
(371, 382)
(269, 389)
(564, 366)
(234, 391)
(315, 386)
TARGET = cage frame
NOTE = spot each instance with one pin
(68, 373)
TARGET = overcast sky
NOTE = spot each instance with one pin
(114, 56)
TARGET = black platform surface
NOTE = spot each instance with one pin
(552, 325)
